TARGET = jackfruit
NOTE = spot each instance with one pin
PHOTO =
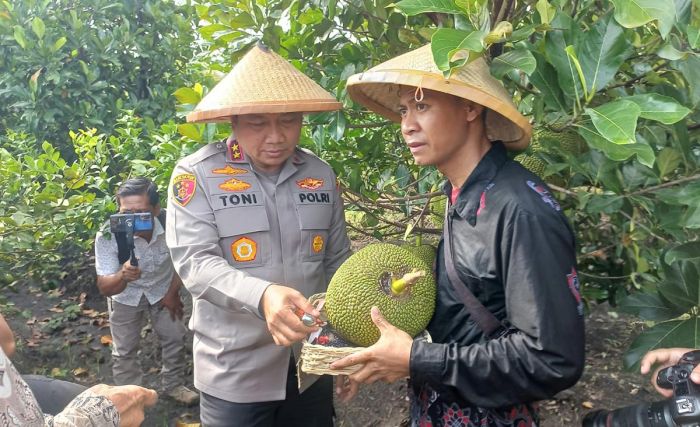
(532, 163)
(425, 252)
(383, 275)
(568, 141)
(437, 209)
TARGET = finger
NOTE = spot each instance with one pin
(303, 303)
(379, 319)
(351, 360)
(150, 398)
(653, 357)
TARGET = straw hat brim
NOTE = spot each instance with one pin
(224, 114)
(378, 90)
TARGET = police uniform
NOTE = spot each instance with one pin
(232, 232)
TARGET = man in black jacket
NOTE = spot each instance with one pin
(511, 245)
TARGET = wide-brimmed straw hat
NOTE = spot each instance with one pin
(378, 90)
(262, 82)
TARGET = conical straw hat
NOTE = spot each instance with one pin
(262, 82)
(378, 90)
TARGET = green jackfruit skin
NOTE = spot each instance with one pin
(568, 141)
(425, 252)
(437, 209)
(532, 163)
(356, 287)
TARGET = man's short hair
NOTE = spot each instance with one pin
(138, 186)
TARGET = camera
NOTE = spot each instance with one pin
(130, 222)
(683, 409)
(123, 226)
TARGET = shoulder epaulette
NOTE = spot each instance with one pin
(205, 152)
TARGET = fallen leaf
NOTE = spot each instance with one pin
(90, 312)
(106, 339)
(79, 371)
(56, 309)
(587, 405)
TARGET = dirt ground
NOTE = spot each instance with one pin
(64, 333)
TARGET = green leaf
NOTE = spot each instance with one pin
(690, 68)
(657, 107)
(601, 52)
(635, 13)
(556, 42)
(685, 251)
(668, 51)
(677, 333)
(668, 160)
(58, 44)
(310, 17)
(446, 42)
(38, 27)
(616, 121)
(415, 7)
(186, 95)
(575, 64)
(517, 59)
(546, 11)
(648, 306)
(20, 37)
(680, 286)
(693, 36)
(545, 80)
(617, 152)
(190, 130)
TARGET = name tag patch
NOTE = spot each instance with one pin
(315, 197)
(231, 200)
(244, 249)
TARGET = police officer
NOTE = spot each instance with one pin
(255, 227)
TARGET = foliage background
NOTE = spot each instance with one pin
(92, 92)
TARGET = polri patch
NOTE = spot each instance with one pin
(244, 249)
(229, 170)
(184, 186)
(317, 243)
(310, 183)
(234, 184)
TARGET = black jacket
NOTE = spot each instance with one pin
(515, 250)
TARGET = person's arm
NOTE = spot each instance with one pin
(171, 300)
(103, 405)
(112, 278)
(193, 238)
(7, 338)
(113, 284)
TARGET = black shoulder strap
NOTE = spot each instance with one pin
(162, 217)
(488, 323)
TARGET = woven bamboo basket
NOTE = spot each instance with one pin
(316, 359)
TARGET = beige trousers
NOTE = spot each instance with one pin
(126, 323)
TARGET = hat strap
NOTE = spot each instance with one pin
(419, 95)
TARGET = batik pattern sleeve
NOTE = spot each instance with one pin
(544, 351)
(193, 238)
(87, 409)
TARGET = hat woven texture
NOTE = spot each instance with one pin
(378, 90)
(262, 82)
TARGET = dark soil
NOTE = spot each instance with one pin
(59, 334)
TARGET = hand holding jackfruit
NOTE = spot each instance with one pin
(383, 275)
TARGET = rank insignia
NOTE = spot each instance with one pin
(229, 170)
(234, 184)
(235, 151)
(317, 243)
(310, 183)
(244, 249)
(184, 186)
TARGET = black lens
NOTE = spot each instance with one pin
(656, 414)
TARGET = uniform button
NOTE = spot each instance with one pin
(219, 146)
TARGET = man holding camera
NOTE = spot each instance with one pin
(139, 280)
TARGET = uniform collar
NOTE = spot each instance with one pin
(469, 197)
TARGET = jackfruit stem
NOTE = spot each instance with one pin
(398, 286)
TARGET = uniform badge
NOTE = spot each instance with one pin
(310, 183)
(229, 170)
(317, 243)
(244, 249)
(235, 151)
(234, 184)
(184, 186)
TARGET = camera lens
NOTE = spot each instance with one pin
(656, 414)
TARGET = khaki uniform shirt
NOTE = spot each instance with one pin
(229, 239)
